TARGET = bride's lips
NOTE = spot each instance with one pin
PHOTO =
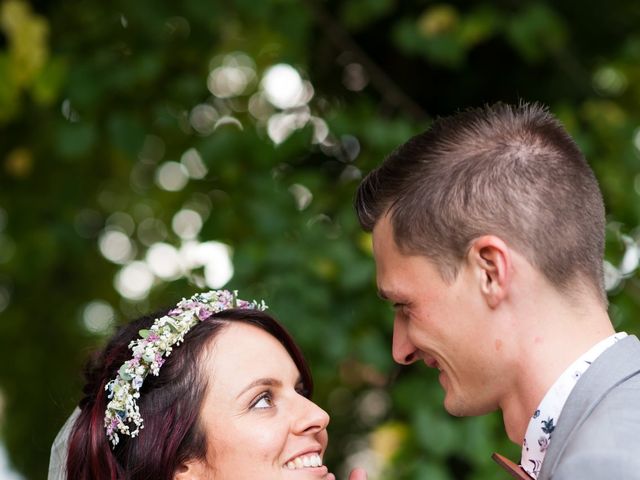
(309, 459)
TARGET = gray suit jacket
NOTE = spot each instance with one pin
(598, 432)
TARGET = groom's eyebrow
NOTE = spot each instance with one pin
(261, 382)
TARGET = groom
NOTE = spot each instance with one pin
(488, 238)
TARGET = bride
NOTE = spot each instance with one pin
(212, 388)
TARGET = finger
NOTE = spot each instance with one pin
(331, 476)
(358, 474)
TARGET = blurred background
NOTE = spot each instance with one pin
(150, 149)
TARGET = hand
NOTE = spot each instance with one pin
(356, 474)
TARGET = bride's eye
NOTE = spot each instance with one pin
(265, 400)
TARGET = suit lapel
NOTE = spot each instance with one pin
(609, 370)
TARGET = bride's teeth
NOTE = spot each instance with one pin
(304, 461)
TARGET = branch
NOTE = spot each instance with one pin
(385, 86)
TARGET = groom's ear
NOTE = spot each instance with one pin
(194, 469)
(491, 259)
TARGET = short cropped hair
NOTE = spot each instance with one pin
(505, 170)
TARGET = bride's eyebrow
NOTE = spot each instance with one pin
(261, 382)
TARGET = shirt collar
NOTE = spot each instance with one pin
(543, 422)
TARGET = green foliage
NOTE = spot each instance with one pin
(97, 97)
(357, 14)
(536, 31)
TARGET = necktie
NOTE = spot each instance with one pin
(514, 470)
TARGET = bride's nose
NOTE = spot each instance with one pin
(309, 417)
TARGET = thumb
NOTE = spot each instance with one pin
(358, 474)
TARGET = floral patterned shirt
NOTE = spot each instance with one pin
(545, 418)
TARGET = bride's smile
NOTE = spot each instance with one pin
(258, 420)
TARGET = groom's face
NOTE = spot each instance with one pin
(441, 323)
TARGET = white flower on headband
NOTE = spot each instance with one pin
(150, 352)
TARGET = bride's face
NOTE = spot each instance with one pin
(257, 422)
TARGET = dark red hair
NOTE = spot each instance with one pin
(169, 403)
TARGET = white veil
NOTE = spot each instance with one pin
(58, 459)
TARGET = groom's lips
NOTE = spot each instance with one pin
(431, 362)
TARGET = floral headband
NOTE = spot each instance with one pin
(150, 352)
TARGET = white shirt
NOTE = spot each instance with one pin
(545, 418)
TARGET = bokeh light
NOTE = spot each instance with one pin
(354, 77)
(116, 246)
(6, 471)
(361, 456)
(192, 161)
(636, 139)
(631, 256)
(214, 256)
(612, 276)
(151, 230)
(201, 203)
(203, 117)
(228, 120)
(218, 269)
(281, 125)
(608, 80)
(350, 147)
(302, 195)
(122, 221)
(178, 26)
(164, 261)
(284, 87)
(68, 111)
(373, 405)
(187, 224)
(172, 176)
(233, 76)
(134, 281)
(320, 129)
(260, 107)
(98, 317)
